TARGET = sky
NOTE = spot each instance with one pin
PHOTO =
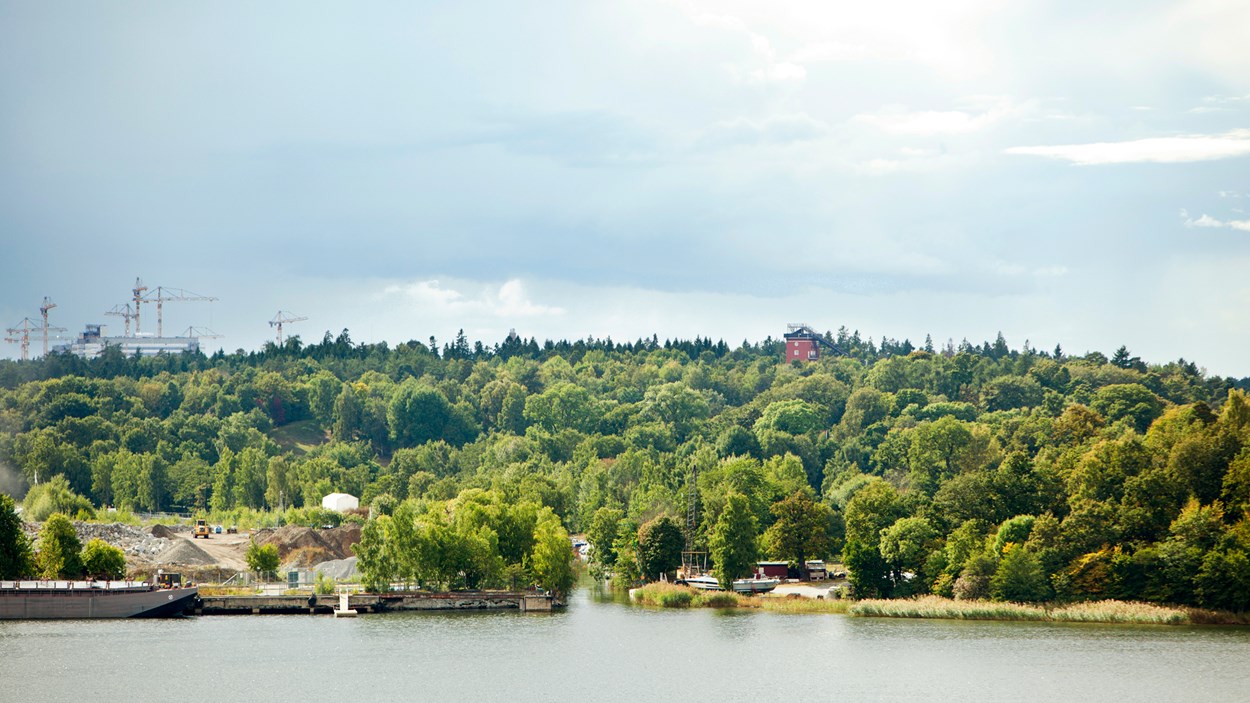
(1061, 172)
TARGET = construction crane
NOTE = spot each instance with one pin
(284, 318)
(138, 293)
(20, 334)
(43, 310)
(200, 332)
(124, 311)
(161, 295)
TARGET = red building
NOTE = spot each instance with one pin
(802, 343)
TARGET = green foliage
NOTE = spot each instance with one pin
(15, 554)
(53, 496)
(803, 530)
(102, 560)
(552, 558)
(733, 542)
(660, 542)
(1019, 578)
(60, 550)
(325, 585)
(602, 535)
(262, 558)
(465, 448)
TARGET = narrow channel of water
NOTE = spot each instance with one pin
(604, 650)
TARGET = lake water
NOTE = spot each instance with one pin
(600, 650)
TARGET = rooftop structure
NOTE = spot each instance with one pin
(92, 341)
(803, 343)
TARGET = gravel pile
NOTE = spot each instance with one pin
(132, 540)
(339, 569)
(185, 554)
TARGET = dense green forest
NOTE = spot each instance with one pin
(966, 470)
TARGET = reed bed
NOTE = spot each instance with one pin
(1122, 612)
(1107, 611)
(800, 605)
(944, 608)
(671, 595)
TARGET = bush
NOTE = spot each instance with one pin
(262, 558)
(102, 560)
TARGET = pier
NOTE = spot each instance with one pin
(370, 603)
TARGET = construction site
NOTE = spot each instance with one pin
(94, 338)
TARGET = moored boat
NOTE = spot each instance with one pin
(751, 585)
(65, 600)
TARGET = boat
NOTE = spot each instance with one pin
(64, 600)
(751, 585)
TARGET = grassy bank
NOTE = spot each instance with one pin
(1107, 611)
(668, 595)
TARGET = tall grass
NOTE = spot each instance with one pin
(1108, 611)
(671, 595)
(802, 605)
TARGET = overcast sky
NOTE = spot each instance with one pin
(1065, 172)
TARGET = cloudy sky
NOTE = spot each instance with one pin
(1074, 173)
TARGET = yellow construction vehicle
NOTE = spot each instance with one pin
(201, 529)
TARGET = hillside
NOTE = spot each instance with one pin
(974, 470)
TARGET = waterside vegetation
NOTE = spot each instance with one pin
(968, 471)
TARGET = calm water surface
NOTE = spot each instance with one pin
(607, 651)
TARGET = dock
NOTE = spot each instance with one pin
(371, 603)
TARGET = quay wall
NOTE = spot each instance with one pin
(369, 603)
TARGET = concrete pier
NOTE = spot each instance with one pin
(372, 603)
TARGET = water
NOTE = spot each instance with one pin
(607, 651)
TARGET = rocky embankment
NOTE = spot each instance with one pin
(166, 546)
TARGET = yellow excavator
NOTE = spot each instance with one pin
(201, 529)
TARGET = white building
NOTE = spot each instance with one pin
(340, 502)
(92, 341)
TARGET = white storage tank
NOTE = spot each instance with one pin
(340, 502)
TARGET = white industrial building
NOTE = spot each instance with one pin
(92, 341)
(340, 502)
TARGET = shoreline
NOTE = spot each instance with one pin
(1106, 612)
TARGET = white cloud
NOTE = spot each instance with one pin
(507, 300)
(898, 120)
(1206, 220)
(776, 129)
(1184, 149)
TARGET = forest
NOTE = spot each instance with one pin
(972, 471)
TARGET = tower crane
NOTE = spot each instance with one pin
(43, 310)
(124, 311)
(201, 332)
(161, 295)
(21, 335)
(138, 293)
(284, 318)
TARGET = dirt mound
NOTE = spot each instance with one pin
(185, 553)
(161, 531)
(305, 557)
(342, 539)
(334, 543)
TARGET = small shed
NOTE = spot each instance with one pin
(773, 569)
(340, 502)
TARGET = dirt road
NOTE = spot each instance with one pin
(228, 551)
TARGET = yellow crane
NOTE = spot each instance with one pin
(43, 310)
(20, 335)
